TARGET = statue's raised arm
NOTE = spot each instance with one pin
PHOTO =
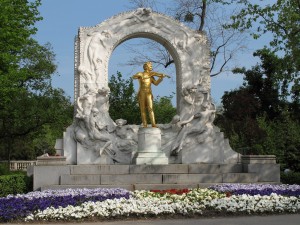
(160, 75)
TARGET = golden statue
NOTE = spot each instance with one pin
(145, 96)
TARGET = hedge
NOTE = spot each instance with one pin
(14, 184)
(290, 178)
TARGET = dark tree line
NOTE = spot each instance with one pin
(260, 117)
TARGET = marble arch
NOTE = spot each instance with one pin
(94, 138)
(189, 49)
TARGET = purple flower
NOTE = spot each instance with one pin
(19, 206)
(258, 189)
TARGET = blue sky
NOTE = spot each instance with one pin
(62, 18)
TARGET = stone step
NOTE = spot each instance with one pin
(129, 179)
(99, 169)
(177, 175)
(200, 168)
(67, 179)
(215, 168)
(210, 178)
(191, 178)
(160, 169)
(119, 179)
(240, 178)
(132, 179)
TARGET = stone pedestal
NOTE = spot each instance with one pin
(259, 159)
(263, 165)
(51, 160)
(149, 147)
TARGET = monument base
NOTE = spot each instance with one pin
(149, 147)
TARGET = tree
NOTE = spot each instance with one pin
(123, 100)
(238, 120)
(282, 20)
(28, 101)
(264, 82)
(26, 117)
(259, 116)
(201, 16)
(17, 18)
(282, 139)
(163, 109)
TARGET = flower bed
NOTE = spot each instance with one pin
(258, 189)
(110, 203)
(256, 204)
(172, 191)
(19, 206)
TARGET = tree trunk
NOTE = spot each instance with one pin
(203, 14)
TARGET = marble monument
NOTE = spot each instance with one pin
(191, 136)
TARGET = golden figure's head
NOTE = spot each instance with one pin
(147, 66)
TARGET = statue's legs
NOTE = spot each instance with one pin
(142, 104)
(146, 102)
(150, 109)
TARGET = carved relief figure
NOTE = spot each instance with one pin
(145, 97)
(102, 103)
(172, 133)
(180, 138)
(124, 131)
(85, 74)
(200, 125)
(143, 14)
(140, 15)
(200, 97)
(205, 83)
(122, 143)
(96, 51)
(86, 102)
(97, 127)
(126, 136)
(188, 96)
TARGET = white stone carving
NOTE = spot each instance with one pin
(190, 137)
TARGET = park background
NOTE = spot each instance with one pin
(258, 106)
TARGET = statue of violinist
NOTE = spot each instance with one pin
(145, 96)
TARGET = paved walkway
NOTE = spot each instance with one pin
(289, 219)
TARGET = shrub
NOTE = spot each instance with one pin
(14, 184)
(4, 168)
(290, 178)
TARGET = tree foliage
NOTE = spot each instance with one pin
(17, 18)
(29, 105)
(123, 100)
(281, 19)
(163, 109)
(258, 117)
